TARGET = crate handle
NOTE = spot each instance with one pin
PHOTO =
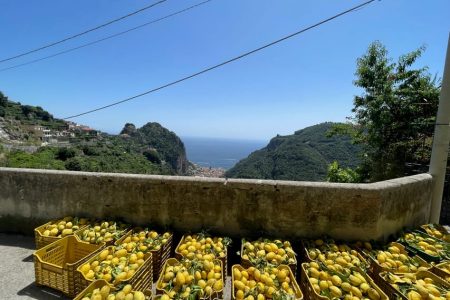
(52, 268)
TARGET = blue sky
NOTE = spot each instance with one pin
(301, 82)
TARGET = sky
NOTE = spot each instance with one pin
(301, 82)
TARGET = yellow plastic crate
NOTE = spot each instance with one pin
(224, 259)
(311, 294)
(142, 280)
(296, 287)
(395, 294)
(159, 257)
(246, 263)
(172, 262)
(98, 284)
(55, 264)
(42, 241)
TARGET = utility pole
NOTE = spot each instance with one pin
(439, 153)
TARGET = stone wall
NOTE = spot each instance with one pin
(235, 207)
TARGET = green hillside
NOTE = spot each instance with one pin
(305, 155)
(151, 149)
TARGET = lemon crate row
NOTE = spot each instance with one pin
(373, 271)
(92, 231)
(139, 254)
(185, 279)
(198, 273)
(70, 265)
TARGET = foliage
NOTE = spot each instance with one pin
(107, 160)
(167, 144)
(151, 149)
(152, 156)
(338, 174)
(3, 100)
(304, 155)
(42, 159)
(393, 118)
(65, 153)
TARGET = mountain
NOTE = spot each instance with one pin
(35, 139)
(158, 144)
(304, 155)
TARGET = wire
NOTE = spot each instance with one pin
(106, 38)
(83, 33)
(223, 63)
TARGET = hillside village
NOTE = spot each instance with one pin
(63, 134)
(25, 125)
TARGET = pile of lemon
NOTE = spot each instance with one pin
(267, 283)
(434, 231)
(428, 245)
(346, 283)
(415, 288)
(113, 265)
(182, 279)
(65, 227)
(397, 260)
(335, 257)
(145, 240)
(105, 293)
(200, 246)
(104, 231)
(275, 252)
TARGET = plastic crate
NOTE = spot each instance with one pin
(56, 264)
(395, 294)
(159, 257)
(246, 263)
(224, 260)
(313, 295)
(445, 233)
(411, 247)
(41, 240)
(375, 268)
(142, 280)
(122, 235)
(296, 287)
(304, 254)
(440, 271)
(98, 284)
(172, 262)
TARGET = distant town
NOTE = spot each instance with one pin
(63, 134)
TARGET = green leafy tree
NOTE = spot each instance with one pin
(393, 117)
(65, 153)
(338, 174)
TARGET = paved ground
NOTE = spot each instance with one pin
(17, 271)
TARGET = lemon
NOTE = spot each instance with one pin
(218, 285)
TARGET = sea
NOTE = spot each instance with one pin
(219, 152)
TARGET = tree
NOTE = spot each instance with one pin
(393, 118)
(152, 156)
(338, 174)
(3, 99)
(65, 153)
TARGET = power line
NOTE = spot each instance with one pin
(106, 38)
(225, 62)
(84, 32)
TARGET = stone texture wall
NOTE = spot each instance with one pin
(235, 207)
